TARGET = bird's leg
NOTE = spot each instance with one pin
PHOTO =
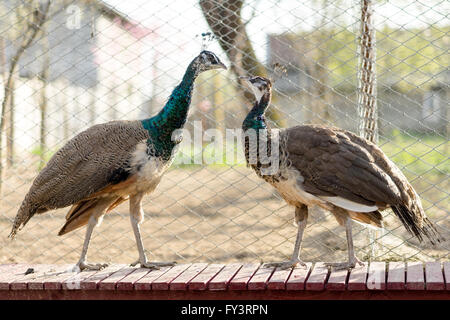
(137, 216)
(82, 264)
(301, 217)
(352, 259)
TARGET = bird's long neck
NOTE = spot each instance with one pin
(173, 115)
(255, 118)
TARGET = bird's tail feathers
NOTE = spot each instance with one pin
(23, 216)
(417, 226)
(371, 219)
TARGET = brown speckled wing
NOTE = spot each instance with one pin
(82, 167)
(334, 163)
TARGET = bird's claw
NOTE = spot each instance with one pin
(285, 264)
(91, 266)
(345, 265)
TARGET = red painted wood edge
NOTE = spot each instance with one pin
(337, 280)
(145, 283)
(415, 279)
(278, 279)
(241, 279)
(357, 278)
(298, 277)
(127, 283)
(396, 276)
(181, 282)
(376, 277)
(91, 283)
(434, 276)
(162, 283)
(55, 281)
(318, 277)
(201, 281)
(109, 283)
(447, 274)
(260, 278)
(9, 273)
(223, 278)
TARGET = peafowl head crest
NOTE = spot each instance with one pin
(207, 60)
(260, 86)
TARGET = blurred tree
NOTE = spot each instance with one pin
(43, 97)
(32, 23)
(225, 20)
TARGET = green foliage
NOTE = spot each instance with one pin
(418, 155)
(406, 58)
(43, 155)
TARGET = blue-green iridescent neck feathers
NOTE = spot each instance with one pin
(255, 118)
(172, 117)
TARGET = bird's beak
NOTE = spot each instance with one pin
(220, 65)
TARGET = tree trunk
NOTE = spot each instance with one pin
(10, 132)
(224, 19)
(43, 105)
(9, 114)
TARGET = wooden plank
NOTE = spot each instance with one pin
(74, 282)
(337, 280)
(223, 278)
(201, 281)
(145, 283)
(55, 272)
(357, 278)
(260, 278)
(10, 273)
(279, 278)
(415, 279)
(434, 276)
(20, 282)
(127, 283)
(318, 277)
(241, 279)
(91, 283)
(376, 278)
(298, 277)
(447, 274)
(109, 283)
(181, 282)
(162, 283)
(396, 276)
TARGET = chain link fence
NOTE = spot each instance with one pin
(378, 68)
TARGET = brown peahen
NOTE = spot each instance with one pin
(333, 169)
(110, 163)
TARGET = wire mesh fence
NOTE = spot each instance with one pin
(89, 62)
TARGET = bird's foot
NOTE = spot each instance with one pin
(345, 265)
(91, 266)
(153, 265)
(285, 264)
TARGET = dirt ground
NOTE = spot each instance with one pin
(209, 214)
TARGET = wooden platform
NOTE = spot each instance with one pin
(375, 280)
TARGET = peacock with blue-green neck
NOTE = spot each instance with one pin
(110, 163)
(172, 117)
(174, 114)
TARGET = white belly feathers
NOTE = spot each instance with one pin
(149, 170)
(292, 191)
